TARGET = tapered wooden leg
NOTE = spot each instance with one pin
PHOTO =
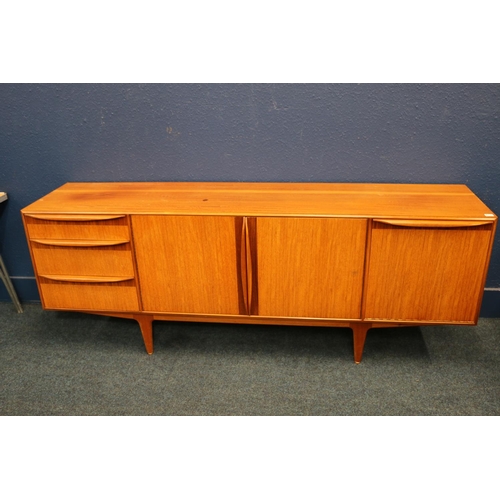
(146, 324)
(359, 331)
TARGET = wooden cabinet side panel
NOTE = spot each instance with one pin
(310, 267)
(426, 274)
(187, 264)
(26, 232)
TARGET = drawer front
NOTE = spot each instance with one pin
(426, 271)
(110, 260)
(100, 227)
(187, 264)
(107, 296)
(83, 262)
(310, 267)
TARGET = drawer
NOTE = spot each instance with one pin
(91, 227)
(92, 296)
(53, 257)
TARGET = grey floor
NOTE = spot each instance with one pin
(62, 363)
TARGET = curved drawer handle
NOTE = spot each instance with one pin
(249, 265)
(434, 223)
(76, 218)
(86, 279)
(79, 243)
(243, 263)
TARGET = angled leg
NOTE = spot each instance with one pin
(359, 331)
(10, 287)
(146, 323)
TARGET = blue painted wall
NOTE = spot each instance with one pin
(426, 133)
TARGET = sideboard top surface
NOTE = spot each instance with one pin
(417, 201)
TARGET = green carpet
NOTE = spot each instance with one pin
(58, 363)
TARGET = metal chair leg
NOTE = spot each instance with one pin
(10, 287)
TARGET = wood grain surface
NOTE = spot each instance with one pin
(84, 261)
(121, 296)
(187, 264)
(252, 199)
(355, 255)
(310, 267)
(114, 229)
(426, 274)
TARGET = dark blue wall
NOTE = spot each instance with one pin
(52, 134)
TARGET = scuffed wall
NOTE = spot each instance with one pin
(426, 133)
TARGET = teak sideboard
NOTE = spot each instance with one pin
(353, 255)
